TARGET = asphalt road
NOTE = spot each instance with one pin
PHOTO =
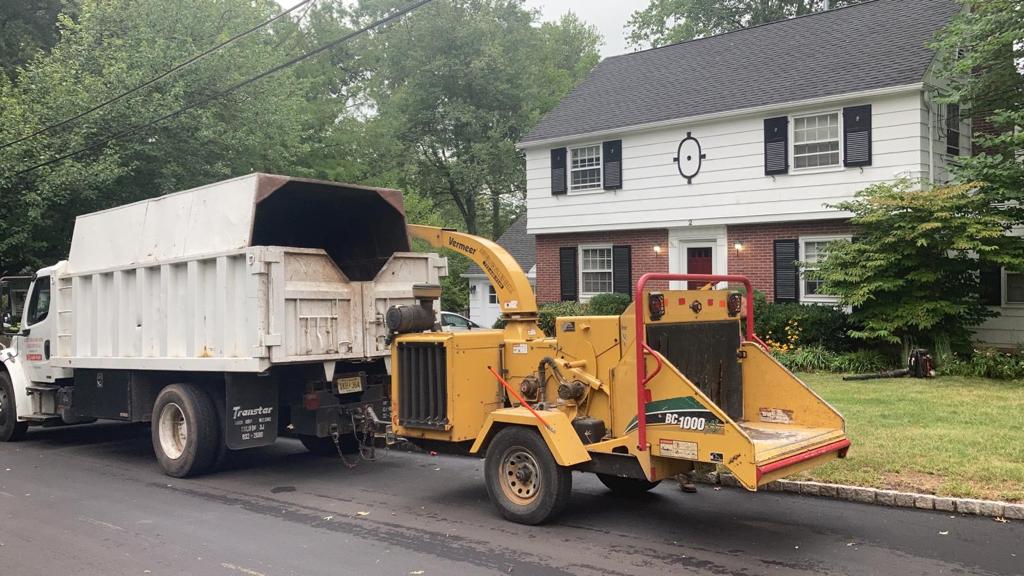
(91, 500)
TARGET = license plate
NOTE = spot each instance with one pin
(349, 384)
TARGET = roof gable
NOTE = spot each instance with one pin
(872, 45)
(522, 247)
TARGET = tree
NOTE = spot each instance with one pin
(911, 274)
(112, 45)
(27, 28)
(456, 85)
(670, 21)
(981, 60)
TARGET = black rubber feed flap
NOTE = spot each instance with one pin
(705, 352)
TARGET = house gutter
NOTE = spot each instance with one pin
(724, 114)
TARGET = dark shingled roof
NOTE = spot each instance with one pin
(522, 246)
(875, 44)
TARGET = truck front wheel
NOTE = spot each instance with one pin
(185, 430)
(523, 479)
(10, 429)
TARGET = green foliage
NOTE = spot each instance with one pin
(552, 310)
(115, 44)
(911, 273)
(986, 363)
(610, 304)
(821, 359)
(455, 86)
(802, 324)
(670, 21)
(28, 28)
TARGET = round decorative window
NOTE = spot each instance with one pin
(689, 157)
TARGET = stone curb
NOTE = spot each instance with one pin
(879, 497)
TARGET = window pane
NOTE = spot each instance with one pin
(816, 141)
(597, 282)
(1014, 288)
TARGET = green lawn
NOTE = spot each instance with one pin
(949, 436)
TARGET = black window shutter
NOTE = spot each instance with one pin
(612, 157)
(857, 135)
(558, 186)
(776, 145)
(953, 129)
(568, 276)
(622, 270)
(991, 278)
(787, 274)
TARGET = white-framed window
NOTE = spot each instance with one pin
(813, 250)
(595, 270)
(817, 141)
(492, 295)
(1013, 288)
(585, 168)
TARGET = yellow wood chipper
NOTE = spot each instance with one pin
(677, 380)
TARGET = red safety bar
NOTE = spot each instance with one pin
(840, 446)
(643, 395)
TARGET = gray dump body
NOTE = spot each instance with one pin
(237, 276)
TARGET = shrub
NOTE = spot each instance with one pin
(864, 362)
(798, 325)
(548, 313)
(807, 359)
(608, 304)
(986, 363)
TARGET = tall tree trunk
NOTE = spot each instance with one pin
(495, 214)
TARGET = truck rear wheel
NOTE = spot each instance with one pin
(10, 429)
(627, 486)
(523, 479)
(185, 430)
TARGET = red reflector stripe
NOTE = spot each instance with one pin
(682, 301)
(711, 301)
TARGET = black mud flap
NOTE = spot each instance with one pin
(250, 411)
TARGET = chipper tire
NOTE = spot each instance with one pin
(523, 479)
(185, 430)
(10, 429)
(325, 446)
(627, 486)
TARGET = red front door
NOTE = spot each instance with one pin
(698, 261)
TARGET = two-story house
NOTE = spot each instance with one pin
(725, 154)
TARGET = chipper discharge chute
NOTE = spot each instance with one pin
(678, 380)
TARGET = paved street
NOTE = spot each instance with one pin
(91, 500)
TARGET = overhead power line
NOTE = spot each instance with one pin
(156, 78)
(323, 48)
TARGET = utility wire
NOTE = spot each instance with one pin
(156, 78)
(323, 48)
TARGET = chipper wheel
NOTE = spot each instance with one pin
(185, 430)
(523, 479)
(10, 429)
(627, 486)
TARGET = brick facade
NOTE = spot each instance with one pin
(642, 254)
(757, 258)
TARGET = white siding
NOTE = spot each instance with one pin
(731, 186)
(1004, 331)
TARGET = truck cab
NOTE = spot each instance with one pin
(13, 290)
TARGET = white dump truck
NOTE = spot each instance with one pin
(225, 315)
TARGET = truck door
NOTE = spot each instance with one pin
(36, 337)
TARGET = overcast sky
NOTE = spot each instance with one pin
(608, 16)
